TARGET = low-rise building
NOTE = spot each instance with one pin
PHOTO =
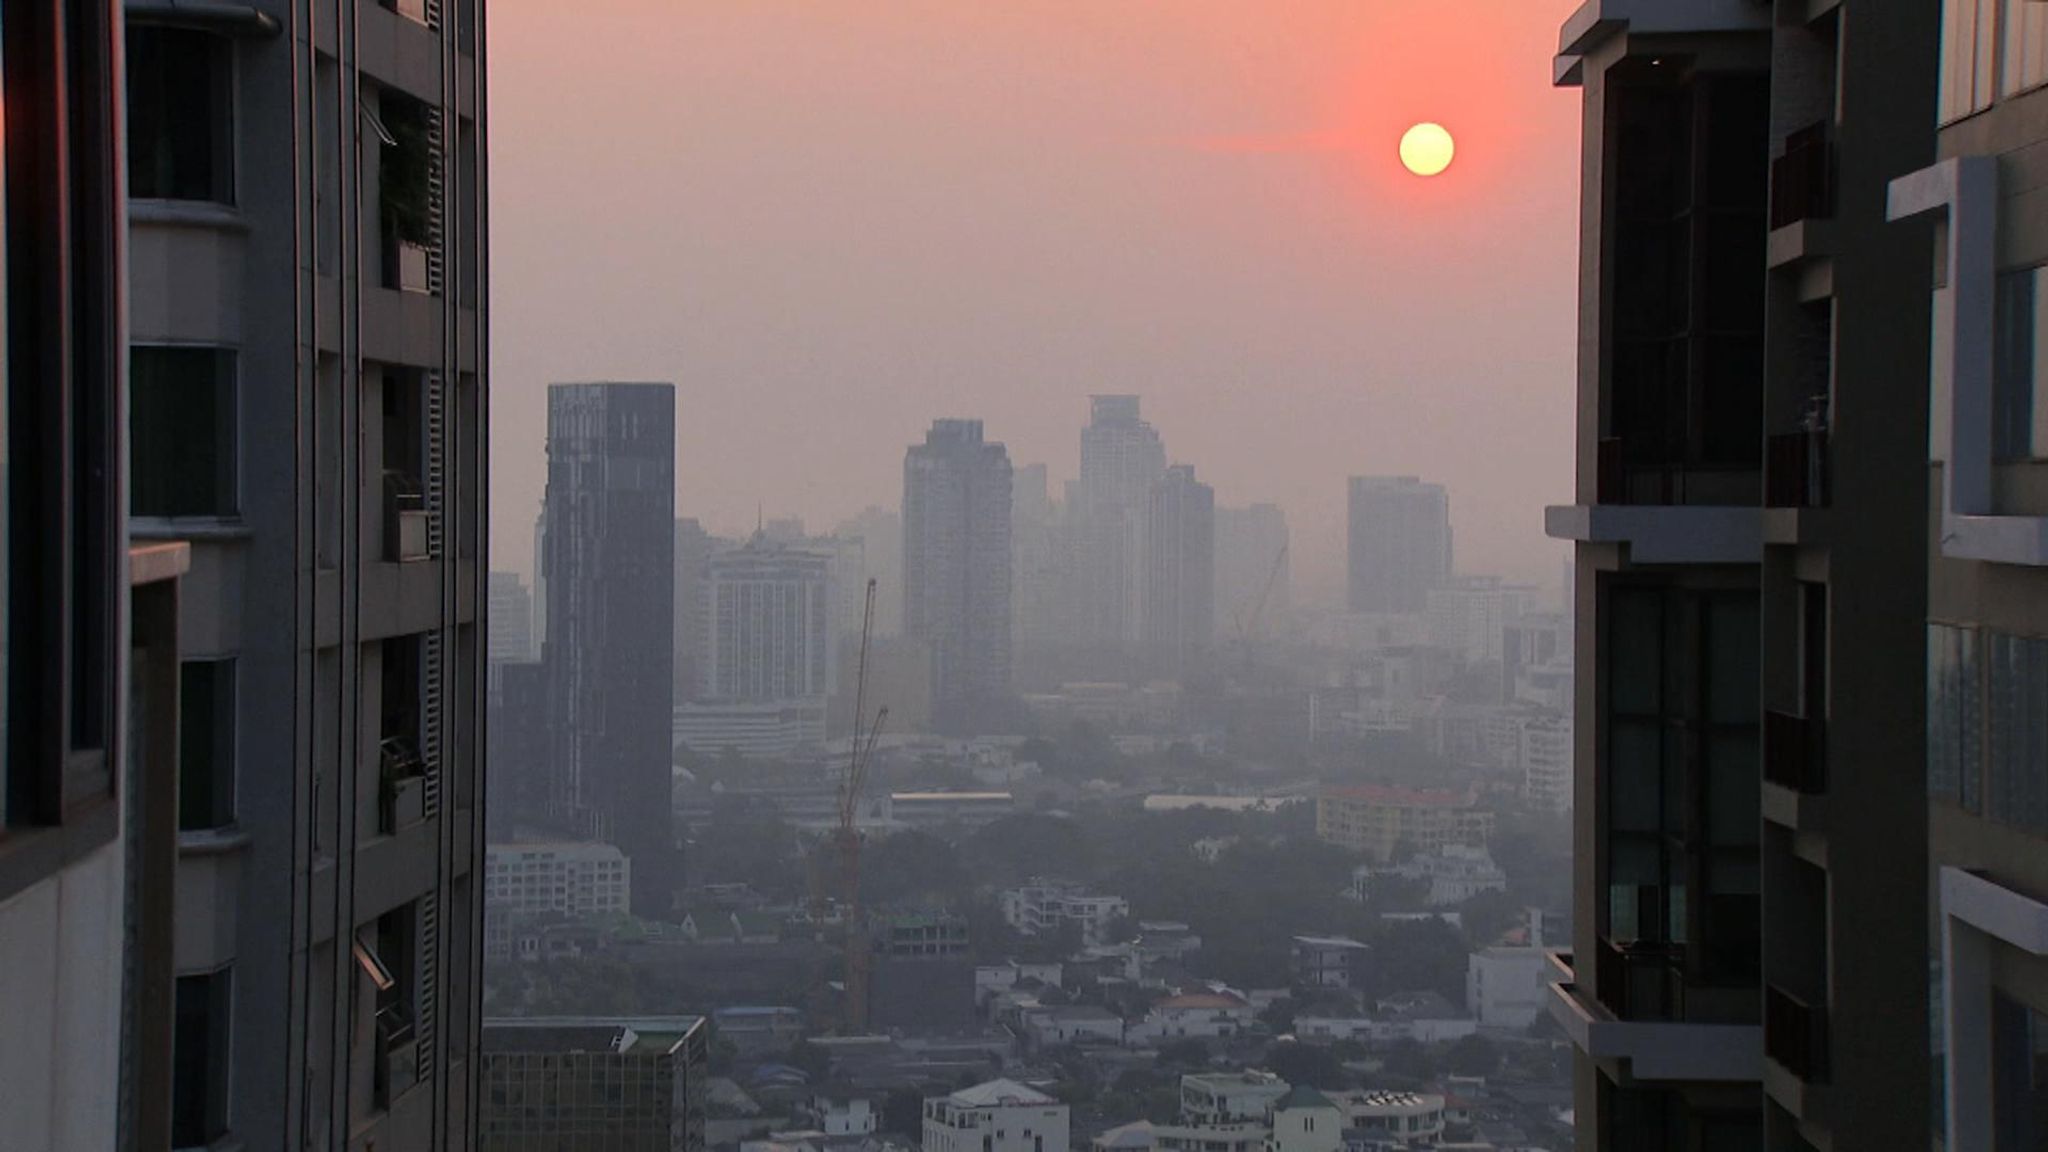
(1305, 1120)
(1411, 1119)
(552, 1081)
(1048, 906)
(1507, 987)
(991, 979)
(568, 877)
(938, 809)
(1194, 1015)
(1137, 1136)
(760, 1029)
(1453, 874)
(1209, 1098)
(1329, 961)
(1052, 1024)
(996, 1116)
(1376, 820)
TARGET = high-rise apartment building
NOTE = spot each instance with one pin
(1750, 967)
(594, 1084)
(694, 547)
(1399, 542)
(609, 558)
(1037, 563)
(1987, 636)
(1121, 457)
(1180, 572)
(88, 628)
(771, 624)
(308, 405)
(956, 566)
(511, 620)
(880, 531)
(1253, 576)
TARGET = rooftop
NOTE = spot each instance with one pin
(1400, 797)
(999, 1093)
(1202, 1000)
(638, 1034)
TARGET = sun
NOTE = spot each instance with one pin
(1426, 149)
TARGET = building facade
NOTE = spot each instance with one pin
(1376, 820)
(609, 556)
(998, 1116)
(568, 878)
(1987, 593)
(308, 290)
(694, 547)
(1044, 906)
(511, 620)
(594, 1084)
(1254, 582)
(1399, 542)
(771, 625)
(1180, 572)
(956, 564)
(1749, 520)
(1121, 458)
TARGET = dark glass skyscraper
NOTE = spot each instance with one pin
(608, 556)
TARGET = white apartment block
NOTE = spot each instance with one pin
(998, 1116)
(1544, 757)
(1044, 906)
(572, 878)
(1454, 874)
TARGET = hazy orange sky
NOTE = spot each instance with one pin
(829, 222)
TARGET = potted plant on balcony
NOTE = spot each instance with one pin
(405, 192)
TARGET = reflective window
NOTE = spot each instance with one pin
(182, 431)
(180, 115)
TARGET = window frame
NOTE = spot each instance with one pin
(226, 708)
(229, 76)
(220, 1065)
(63, 350)
(231, 384)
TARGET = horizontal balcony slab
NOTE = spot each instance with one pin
(1660, 1050)
(1664, 533)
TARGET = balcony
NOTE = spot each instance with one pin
(1803, 179)
(1795, 1035)
(405, 518)
(1666, 514)
(397, 1063)
(1797, 469)
(1660, 1050)
(402, 788)
(1795, 752)
(1642, 981)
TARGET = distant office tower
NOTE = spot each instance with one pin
(956, 564)
(1400, 544)
(511, 623)
(1036, 562)
(846, 566)
(610, 564)
(880, 531)
(1752, 962)
(1180, 572)
(770, 611)
(309, 362)
(1121, 457)
(694, 547)
(1468, 616)
(540, 578)
(89, 631)
(1253, 572)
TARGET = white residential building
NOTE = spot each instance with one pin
(1469, 616)
(851, 1117)
(1047, 906)
(1544, 756)
(998, 1116)
(1229, 1097)
(1506, 987)
(1410, 1118)
(1199, 1015)
(1305, 1120)
(750, 729)
(1454, 874)
(1048, 1025)
(989, 979)
(573, 878)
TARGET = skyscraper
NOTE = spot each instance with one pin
(1400, 542)
(1121, 457)
(1252, 572)
(694, 547)
(609, 557)
(511, 621)
(309, 405)
(772, 624)
(880, 531)
(956, 565)
(88, 629)
(1180, 572)
(1751, 967)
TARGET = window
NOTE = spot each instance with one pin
(206, 744)
(2019, 1075)
(1991, 49)
(200, 1030)
(180, 114)
(1955, 716)
(2016, 362)
(2016, 790)
(61, 482)
(182, 423)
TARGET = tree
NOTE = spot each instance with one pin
(1489, 915)
(1420, 955)
(1188, 1053)
(903, 1112)
(811, 1060)
(1473, 1055)
(1409, 1060)
(1309, 1064)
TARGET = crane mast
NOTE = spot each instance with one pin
(859, 957)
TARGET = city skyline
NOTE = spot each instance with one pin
(1203, 221)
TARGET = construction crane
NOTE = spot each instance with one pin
(1247, 627)
(846, 837)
